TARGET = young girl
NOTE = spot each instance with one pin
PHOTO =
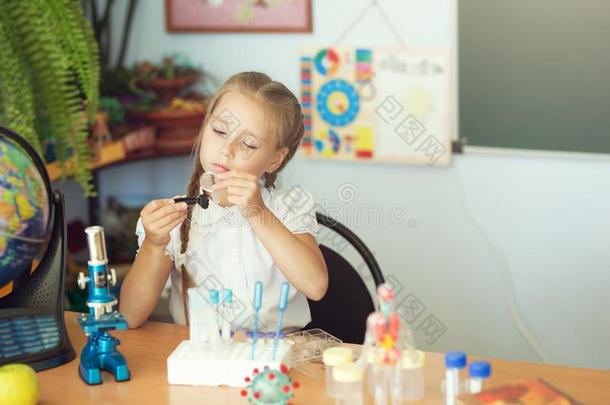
(248, 233)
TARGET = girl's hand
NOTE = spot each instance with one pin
(159, 217)
(242, 190)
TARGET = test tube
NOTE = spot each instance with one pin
(334, 357)
(348, 384)
(198, 324)
(454, 362)
(227, 301)
(478, 371)
(213, 329)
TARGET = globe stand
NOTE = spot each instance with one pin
(32, 327)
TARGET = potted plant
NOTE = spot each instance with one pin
(49, 79)
(168, 103)
(168, 79)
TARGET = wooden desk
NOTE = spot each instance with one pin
(148, 347)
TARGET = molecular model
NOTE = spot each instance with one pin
(270, 387)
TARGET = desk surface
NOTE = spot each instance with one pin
(148, 347)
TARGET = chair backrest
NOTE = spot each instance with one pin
(357, 243)
(347, 303)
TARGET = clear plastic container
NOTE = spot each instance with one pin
(348, 389)
(369, 375)
(332, 357)
(410, 376)
(380, 383)
(309, 345)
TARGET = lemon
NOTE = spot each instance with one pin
(18, 385)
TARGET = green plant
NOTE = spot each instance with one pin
(49, 78)
(171, 67)
(114, 76)
(112, 107)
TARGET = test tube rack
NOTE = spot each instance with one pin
(227, 363)
(206, 359)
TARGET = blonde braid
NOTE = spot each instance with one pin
(185, 228)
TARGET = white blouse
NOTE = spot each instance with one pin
(224, 252)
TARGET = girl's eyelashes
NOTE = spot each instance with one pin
(219, 132)
(249, 142)
(246, 143)
(249, 146)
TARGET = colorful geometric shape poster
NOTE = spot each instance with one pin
(376, 104)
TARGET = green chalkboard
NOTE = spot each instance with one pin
(535, 74)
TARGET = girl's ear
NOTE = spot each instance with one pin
(277, 160)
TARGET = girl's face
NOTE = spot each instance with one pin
(236, 138)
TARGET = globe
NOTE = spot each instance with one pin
(24, 210)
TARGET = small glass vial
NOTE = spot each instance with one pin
(410, 375)
(333, 357)
(348, 386)
(369, 373)
(382, 389)
(478, 371)
(454, 362)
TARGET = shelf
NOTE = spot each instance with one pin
(114, 154)
(145, 154)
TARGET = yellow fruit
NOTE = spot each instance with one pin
(18, 385)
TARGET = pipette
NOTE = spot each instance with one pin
(258, 300)
(280, 319)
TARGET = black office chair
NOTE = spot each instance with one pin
(347, 303)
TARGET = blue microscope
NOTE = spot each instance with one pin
(100, 352)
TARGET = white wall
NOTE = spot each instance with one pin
(550, 215)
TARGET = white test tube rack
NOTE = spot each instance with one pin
(215, 362)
